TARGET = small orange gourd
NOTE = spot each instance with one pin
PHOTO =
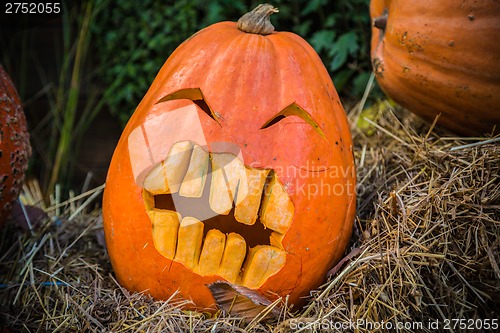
(236, 166)
(440, 57)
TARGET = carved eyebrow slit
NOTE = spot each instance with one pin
(196, 96)
(294, 110)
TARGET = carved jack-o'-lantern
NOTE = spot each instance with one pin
(236, 166)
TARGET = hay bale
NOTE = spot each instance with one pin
(425, 251)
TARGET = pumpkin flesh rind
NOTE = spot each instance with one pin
(247, 79)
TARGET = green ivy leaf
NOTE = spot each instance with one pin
(331, 21)
(346, 44)
(322, 40)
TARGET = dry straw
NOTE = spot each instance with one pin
(425, 251)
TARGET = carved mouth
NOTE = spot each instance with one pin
(217, 216)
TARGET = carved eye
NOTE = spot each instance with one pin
(196, 96)
(294, 110)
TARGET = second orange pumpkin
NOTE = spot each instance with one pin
(440, 57)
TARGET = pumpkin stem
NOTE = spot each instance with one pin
(258, 20)
(381, 21)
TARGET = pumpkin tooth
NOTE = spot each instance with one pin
(167, 176)
(262, 262)
(211, 254)
(194, 181)
(155, 182)
(277, 209)
(165, 229)
(189, 242)
(227, 170)
(249, 196)
(232, 259)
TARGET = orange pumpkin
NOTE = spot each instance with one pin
(236, 166)
(15, 148)
(440, 57)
